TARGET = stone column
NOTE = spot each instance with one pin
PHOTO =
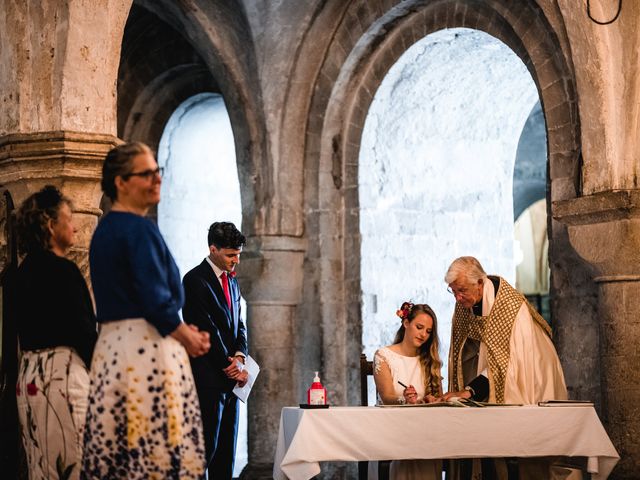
(604, 229)
(72, 161)
(270, 278)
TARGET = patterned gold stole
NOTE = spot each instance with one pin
(494, 331)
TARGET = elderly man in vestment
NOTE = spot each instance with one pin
(501, 351)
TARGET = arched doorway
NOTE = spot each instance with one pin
(531, 247)
(367, 44)
(435, 173)
(200, 183)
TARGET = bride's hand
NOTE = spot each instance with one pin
(410, 395)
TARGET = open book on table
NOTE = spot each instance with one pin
(566, 403)
(455, 402)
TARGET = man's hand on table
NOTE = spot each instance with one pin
(461, 394)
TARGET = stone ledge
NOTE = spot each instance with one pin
(604, 229)
(598, 208)
(616, 278)
(46, 144)
(281, 243)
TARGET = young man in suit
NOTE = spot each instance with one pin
(212, 303)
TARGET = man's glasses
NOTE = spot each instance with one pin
(146, 174)
(461, 291)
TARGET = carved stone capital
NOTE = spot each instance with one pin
(604, 229)
(71, 161)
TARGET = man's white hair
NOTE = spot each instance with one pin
(468, 267)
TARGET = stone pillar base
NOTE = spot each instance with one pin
(270, 278)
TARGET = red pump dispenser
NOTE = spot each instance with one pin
(316, 394)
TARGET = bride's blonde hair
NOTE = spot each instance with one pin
(429, 355)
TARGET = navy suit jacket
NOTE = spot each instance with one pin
(206, 307)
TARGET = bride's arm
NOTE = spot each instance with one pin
(384, 384)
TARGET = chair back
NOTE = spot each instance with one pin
(366, 370)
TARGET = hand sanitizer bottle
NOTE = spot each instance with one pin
(317, 394)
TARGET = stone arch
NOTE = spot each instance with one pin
(171, 52)
(369, 41)
(151, 84)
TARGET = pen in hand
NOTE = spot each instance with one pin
(402, 384)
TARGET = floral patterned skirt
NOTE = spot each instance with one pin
(52, 390)
(144, 417)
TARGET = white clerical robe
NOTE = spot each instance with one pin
(534, 373)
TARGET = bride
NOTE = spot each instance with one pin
(408, 371)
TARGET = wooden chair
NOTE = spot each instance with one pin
(366, 370)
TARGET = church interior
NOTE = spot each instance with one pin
(362, 145)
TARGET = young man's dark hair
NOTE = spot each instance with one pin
(225, 235)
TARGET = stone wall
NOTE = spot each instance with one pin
(298, 79)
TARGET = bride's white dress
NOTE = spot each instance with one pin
(408, 371)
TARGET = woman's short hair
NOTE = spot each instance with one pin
(468, 266)
(118, 162)
(33, 216)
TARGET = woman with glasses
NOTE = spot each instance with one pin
(57, 334)
(144, 417)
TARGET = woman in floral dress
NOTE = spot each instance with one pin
(57, 334)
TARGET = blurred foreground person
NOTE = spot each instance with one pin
(57, 334)
(144, 418)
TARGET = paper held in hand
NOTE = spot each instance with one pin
(252, 369)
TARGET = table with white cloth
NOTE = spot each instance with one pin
(307, 437)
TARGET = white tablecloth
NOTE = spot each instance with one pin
(307, 437)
